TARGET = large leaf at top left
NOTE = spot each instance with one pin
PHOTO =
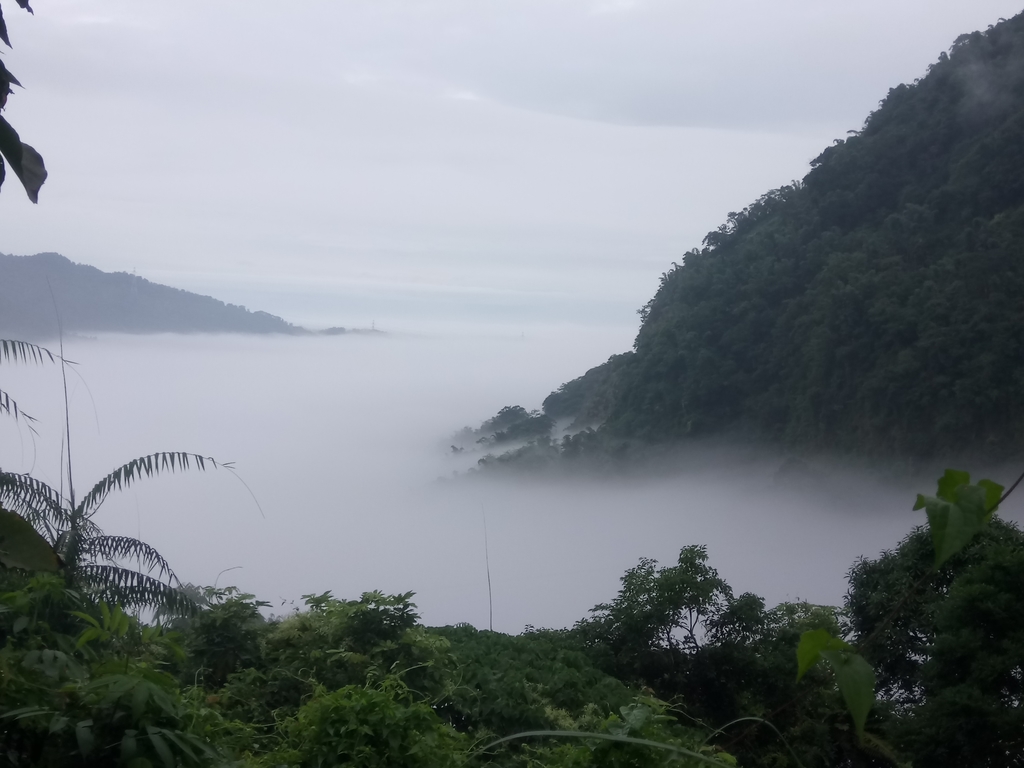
(21, 546)
(26, 163)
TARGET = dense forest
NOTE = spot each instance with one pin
(35, 290)
(873, 307)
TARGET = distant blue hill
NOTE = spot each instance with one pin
(34, 288)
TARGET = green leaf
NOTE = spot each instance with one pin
(160, 746)
(175, 739)
(86, 618)
(21, 546)
(856, 681)
(19, 624)
(813, 644)
(993, 493)
(951, 529)
(958, 511)
(24, 712)
(950, 481)
(971, 499)
(139, 698)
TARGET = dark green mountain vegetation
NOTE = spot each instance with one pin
(34, 289)
(511, 424)
(871, 308)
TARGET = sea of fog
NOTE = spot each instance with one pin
(344, 443)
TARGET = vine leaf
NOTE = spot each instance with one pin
(958, 511)
(812, 644)
(856, 681)
(854, 676)
(950, 481)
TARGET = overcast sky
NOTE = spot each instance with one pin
(360, 154)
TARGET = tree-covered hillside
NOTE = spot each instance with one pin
(34, 288)
(876, 306)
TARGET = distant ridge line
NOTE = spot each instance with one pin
(94, 301)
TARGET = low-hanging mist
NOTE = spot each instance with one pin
(343, 442)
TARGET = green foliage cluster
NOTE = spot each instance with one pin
(871, 307)
(512, 425)
(88, 685)
(947, 645)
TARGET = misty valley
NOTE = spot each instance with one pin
(342, 442)
(776, 524)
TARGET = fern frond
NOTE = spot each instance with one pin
(136, 469)
(133, 589)
(9, 407)
(25, 352)
(118, 548)
(36, 501)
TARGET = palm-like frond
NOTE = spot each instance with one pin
(26, 352)
(119, 548)
(37, 502)
(136, 469)
(133, 589)
(9, 407)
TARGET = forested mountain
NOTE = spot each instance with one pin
(876, 306)
(90, 300)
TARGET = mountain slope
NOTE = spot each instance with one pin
(877, 306)
(92, 301)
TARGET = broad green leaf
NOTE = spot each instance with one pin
(160, 746)
(951, 529)
(813, 644)
(993, 492)
(971, 499)
(86, 618)
(21, 546)
(19, 624)
(950, 481)
(139, 698)
(958, 511)
(856, 681)
(88, 636)
(178, 742)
